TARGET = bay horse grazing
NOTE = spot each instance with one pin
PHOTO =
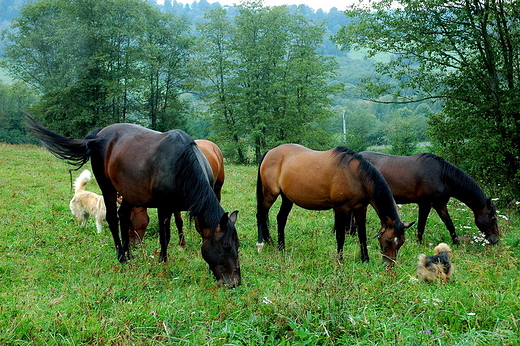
(430, 181)
(139, 221)
(337, 179)
(216, 161)
(159, 170)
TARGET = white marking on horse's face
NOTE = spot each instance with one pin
(396, 241)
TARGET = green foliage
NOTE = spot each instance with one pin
(97, 62)
(14, 98)
(268, 84)
(62, 285)
(463, 53)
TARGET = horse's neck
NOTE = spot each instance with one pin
(468, 193)
(384, 205)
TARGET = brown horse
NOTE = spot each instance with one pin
(215, 159)
(430, 181)
(139, 221)
(159, 170)
(338, 179)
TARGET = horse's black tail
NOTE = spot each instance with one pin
(261, 216)
(260, 185)
(75, 152)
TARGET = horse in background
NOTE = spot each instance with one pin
(159, 170)
(216, 161)
(430, 181)
(337, 179)
(139, 221)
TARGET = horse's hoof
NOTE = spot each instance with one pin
(260, 247)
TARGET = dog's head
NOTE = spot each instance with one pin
(443, 247)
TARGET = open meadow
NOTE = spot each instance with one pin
(61, 284)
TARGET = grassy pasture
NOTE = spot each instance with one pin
(62, 285)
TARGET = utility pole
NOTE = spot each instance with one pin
(344, 129)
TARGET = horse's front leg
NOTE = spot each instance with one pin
(281, 220)
(445, 217)
(124, 212)
(164, 217)
(360, 216)
(179, 223)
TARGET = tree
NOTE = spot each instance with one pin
(100, 62)
(12, 123)
(465, 53)
(268, 81)
(401, 132)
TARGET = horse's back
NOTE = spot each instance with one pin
(139, 161)
(311, 179)
(215, 158)
(410, 178)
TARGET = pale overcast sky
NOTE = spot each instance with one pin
(325, 5)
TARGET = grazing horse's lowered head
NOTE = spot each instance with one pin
(220, 250)
(391, 238)
(486, 221)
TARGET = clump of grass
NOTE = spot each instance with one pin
(62, 284)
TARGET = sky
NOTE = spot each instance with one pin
(325, 5)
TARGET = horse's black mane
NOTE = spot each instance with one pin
(381, 193)
(202, 201)
(453, 176)
(200, 198)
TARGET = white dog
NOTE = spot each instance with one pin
(86, 203)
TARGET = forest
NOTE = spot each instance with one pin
(251, 77)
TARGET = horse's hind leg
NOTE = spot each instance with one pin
(340, 226)
(179, 223)
(351, 222)
(281, 220)
(445, 217)
(113, 225)
(125, 210)
(424, 211)
(164, 232)
(262, 224)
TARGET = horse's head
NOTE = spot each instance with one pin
(486, 221)
(391, 238)
(220, 251)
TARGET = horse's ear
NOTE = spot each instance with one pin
(224, 221)
(408, 224)
(378, 235)
(489, 203)
(233, 216)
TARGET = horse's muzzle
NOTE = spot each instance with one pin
(230, 281)
(389, 261)
(492, 239)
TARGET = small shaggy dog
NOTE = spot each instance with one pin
(436, 267)
(139, 220)
(86, 203)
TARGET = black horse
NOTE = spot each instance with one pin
(159, 170)
(430, 181)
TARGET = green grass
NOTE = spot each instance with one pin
(62, 285)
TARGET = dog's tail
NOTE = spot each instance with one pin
(81, 181)
(442, 247)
